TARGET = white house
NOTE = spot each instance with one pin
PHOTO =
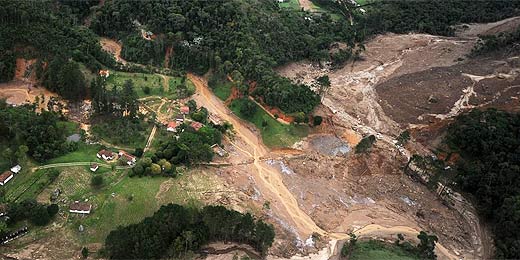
(80, 207)
(5, 177)
(16, 169)
(94, 167)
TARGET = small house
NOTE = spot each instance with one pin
(219, 150)
(216, 120)
(185, 110)
(5, 177)
(196, 125)
(179, 118)
(172, 126)
(16, 169)
(104, 73)
(106, 155)
(128, 158)
(94, 167)
(80, 207)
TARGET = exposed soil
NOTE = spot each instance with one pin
(412, 81)
(112, 47)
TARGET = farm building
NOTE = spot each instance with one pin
(5, 177)
(80, 207)
(106, 155)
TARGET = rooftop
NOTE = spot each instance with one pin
(5, 175)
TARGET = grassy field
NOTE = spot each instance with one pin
(275, 134)
(373, 249)
(293, 4)
(223, 90)
(84, 153)
(157, 84)
(141, 80)
(129, 200)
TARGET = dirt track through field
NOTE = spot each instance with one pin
(271, 183)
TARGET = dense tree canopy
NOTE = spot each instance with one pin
(175, 230)
(40, 133)
(489, 142)
(436, 16)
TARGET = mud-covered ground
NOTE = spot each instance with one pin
(413, 81)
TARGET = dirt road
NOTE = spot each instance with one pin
(270, 181)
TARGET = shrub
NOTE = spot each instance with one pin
(97, 181)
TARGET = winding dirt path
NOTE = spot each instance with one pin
(271, 183)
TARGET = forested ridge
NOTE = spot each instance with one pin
(49, 32)
(489, 143)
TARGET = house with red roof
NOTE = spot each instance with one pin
(106, 155)
(80, 207)
(5, 177)
(104, 73)
(185, 110)
(196, 125)
(172, 126)
(128, 158)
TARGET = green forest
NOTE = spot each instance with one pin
(176, 231)
(489, 143)
(228, 36)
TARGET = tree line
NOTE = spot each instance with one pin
(489, 143)
(175, 231)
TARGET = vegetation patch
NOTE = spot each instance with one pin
(274, 133)
(176, 232)
(123, 131)
(144, 84)
(374, 249)
(223, 90)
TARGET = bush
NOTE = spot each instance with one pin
(53, 210)
(84, 252)
(365, 144)
(147, 90)
(97, 181)
(317, 120)
(248, 108)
